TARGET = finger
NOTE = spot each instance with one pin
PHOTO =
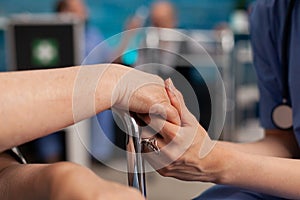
(166, 129)
(173, 115)
(177, 101)
(146, 149)
(158, 161)
(148, 132)
(166, 111)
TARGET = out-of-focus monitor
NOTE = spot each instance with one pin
(40, 41)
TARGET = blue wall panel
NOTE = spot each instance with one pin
(110, 15)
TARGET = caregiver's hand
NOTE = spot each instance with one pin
(139, 92)
(187, 152)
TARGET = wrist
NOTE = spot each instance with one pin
(230, 163)
(219, 163)
(106, 97)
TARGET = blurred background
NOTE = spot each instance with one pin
(33, 36)
(109, 15)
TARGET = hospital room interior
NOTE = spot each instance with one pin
(203, 46)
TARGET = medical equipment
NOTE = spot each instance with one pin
(135, 161)
(16, 154)
(282, 114)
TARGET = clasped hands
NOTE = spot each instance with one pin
(186, 151)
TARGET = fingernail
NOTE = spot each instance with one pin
(167, 83)
(170, 86)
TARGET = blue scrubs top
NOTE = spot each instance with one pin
(266, 24)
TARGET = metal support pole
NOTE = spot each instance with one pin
(135, 161)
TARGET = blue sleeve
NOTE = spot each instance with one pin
(265, 26)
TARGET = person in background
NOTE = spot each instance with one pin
(92, 89)
(163, 15)
(92, 36)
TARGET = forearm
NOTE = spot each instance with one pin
(57, 181)
(275, 143)
(19, 181)
(36, 103)
(271, 175)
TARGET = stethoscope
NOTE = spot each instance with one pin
(282, 115)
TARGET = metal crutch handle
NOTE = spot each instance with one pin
(135, 161)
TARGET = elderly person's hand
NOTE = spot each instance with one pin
(186, 151)
(137, 91)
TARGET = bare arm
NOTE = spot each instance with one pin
(276, 143)
(36, 103)
(44, 181)
(271, 175)
(259, 167)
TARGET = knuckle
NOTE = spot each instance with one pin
(180, 96)
(168, 168)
